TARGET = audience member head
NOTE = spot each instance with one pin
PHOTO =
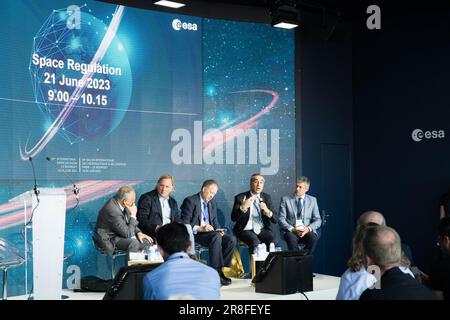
(356, 261)
(257, 183)
(164, 186)
(171, 238)
(209, 189)
(371, 217)
(302, 186)
(126, 196)
(382, 247)
(444, 234)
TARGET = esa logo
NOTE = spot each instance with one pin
(177, 25)
(418, 135)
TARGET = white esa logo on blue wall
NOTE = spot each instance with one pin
(178, 25)
(418, 135)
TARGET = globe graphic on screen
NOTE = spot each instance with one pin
(105, 99)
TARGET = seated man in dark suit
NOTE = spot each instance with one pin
(200, 211)
(381, 247)
(253, 213)
(157, 208)
(300, 218)
(116, 225)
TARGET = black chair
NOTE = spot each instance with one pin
(9, 258)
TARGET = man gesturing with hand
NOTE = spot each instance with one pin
(254, 213)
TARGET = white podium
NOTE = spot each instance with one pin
(48, 227)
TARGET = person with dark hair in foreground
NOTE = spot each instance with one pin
(200, 211)
(439, 279)
(381, 247)
(444, 206)
(179, 277)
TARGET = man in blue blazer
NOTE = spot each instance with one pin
(200, 211)
(300, 218)
(157, 208)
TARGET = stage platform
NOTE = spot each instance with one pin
(324, 288)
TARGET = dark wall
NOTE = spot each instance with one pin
(324, 132)
(401, 83)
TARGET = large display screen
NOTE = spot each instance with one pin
(103, 95)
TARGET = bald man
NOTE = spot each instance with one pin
(376, 217)
(371, 217)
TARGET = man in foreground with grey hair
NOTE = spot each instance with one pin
(381, 247)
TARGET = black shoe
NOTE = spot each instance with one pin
(222, 275)
(224, 282)
(223, 279)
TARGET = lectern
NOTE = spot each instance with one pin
(48, 227)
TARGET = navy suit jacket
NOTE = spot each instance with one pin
(191, 211)
(241, 218)
(149, 212)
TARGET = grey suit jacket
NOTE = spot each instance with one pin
(288, 213)
(112, 225)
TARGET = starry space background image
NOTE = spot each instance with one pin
(220, 99)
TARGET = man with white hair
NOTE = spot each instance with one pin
(116, 226)
(376, 217)
(371, 217)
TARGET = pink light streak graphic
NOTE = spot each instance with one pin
(11, 214)
(209, 143)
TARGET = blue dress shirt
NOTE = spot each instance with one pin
(180, 276)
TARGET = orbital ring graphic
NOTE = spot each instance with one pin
(75, 96)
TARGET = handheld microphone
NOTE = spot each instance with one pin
(76, 190)
(36, 190)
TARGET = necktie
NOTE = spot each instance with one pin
(256, 218)
(299, 208)
(205, 213)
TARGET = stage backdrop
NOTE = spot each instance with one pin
(116, 96)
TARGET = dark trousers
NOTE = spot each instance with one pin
(309, 240)
(220, 247)
(251, 239)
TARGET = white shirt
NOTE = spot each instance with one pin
(354, 283)
(253, 212)
(165, 207)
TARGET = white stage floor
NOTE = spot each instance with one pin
(324, 288)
